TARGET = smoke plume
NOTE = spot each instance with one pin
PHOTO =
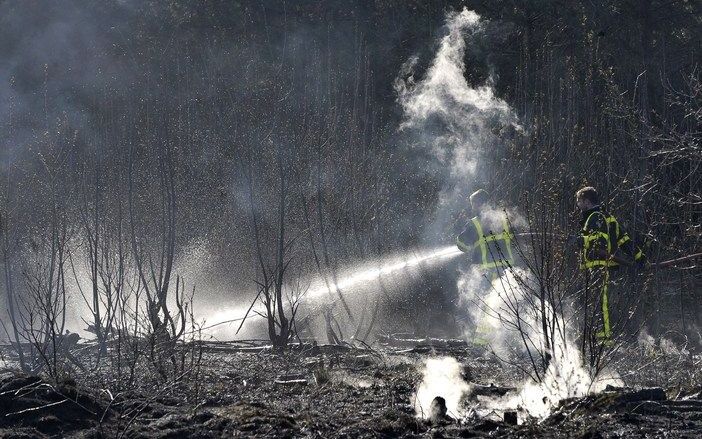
(457, 123)
(493, 306)
(441, 377)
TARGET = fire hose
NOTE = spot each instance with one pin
(672, 262)
(661, 264)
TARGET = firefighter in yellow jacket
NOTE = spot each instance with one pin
(604, 247)
(488, 242)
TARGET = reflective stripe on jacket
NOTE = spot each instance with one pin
(597, 235)
(606, 235)
(495, 250)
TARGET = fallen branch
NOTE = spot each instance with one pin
(33, 409)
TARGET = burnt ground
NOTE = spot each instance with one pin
(332, 391)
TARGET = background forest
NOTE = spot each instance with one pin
(150, 149)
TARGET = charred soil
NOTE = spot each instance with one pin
(336, 391)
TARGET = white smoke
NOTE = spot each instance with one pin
(646, 341)
(565, 378)
(494, 218)
(489, 303)
(466, 113)
(663, 345)
(494, 306)
(458, 122)
(441, 376)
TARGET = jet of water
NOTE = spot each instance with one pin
(349, 280)
(387, 267)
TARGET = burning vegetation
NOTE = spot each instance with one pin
(350, 219)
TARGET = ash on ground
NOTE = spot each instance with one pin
(345, 392)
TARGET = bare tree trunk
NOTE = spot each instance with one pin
(10, 291)
(281, 265)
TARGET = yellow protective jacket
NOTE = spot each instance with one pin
(601, 231)
(489, 249)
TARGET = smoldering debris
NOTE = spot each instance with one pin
(441, 377)
(256, 151)
(295, 393)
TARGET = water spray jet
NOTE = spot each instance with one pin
(351, 279)
(387, 268)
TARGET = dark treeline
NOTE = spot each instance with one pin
(267, 134)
